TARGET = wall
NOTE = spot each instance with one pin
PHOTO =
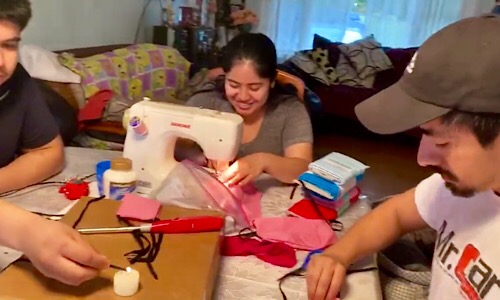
(65, 24)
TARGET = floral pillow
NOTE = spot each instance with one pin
(154, 71)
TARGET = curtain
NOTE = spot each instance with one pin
(291, 24)
(396, 23)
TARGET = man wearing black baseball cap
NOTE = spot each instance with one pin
(451, 90)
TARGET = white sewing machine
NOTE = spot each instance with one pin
(154, 127)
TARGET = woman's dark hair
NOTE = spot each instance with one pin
(484, 126)
(254, 47)
(16, 11)
(260, 50)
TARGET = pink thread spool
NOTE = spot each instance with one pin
(139, 127)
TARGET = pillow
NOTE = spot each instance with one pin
(43, 64)
(333, 48)
(306, 64)
(320, 41)
(366, 56)
(347, 75)
(154, 71)
(320, 56)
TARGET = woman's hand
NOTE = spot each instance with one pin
(218, 165)
(244, 170)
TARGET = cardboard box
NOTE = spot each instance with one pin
(187, 264)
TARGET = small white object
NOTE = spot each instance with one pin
(126, 283)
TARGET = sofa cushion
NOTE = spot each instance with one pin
(347, 75)
(331, 47)
(367, 56)
(139, 70)
(320, 57)
(306, 64)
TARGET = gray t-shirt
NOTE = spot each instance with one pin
(285, 125)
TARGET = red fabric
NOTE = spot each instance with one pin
(95, 106)
(278, 254)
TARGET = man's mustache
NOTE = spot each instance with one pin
(444, 172)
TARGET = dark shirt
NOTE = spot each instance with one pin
(25, 119)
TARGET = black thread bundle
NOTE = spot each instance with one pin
(149, 247)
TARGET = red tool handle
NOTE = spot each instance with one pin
(188, 225)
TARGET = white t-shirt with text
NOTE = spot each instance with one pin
(466, 263)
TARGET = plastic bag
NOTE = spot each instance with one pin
(191, 186)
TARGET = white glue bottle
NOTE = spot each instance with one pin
(120, 179)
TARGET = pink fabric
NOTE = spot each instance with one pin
(138, 208)
(241, 203)
(300, 233)
(249, 197)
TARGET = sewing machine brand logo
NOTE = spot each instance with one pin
(176, 124)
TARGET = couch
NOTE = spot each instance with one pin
(145, 60)
(339, 99)
(66, 99)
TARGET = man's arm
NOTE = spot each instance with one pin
(41, 147)
(374, 232)
(12, 224)
(379, 229)
(55, 249)
(33, 166)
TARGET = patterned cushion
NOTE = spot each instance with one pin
(347, 75)
(139, 70)
(306, 64)
(320, 57)
(366, 56)
(332, 47)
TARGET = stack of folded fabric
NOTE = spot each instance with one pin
(332, 181)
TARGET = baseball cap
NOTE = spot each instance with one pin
(457, 68)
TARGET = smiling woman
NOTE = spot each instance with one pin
(277, 133)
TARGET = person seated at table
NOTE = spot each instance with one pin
(55, 249)
(31, 149)
(452, 95)
(277, 132)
